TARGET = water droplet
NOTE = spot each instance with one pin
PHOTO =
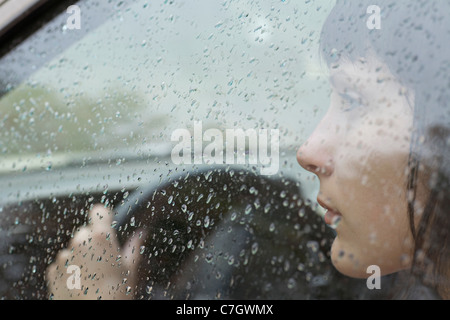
(291, 283)
(301, 212)
(272, 227)
(209, 257)
(364, 180)
(287, 266)
(335, 222)
(206, 222)
(321, 256)
(313, 245)
(373, 237)
(255, 248)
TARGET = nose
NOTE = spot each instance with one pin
(316, 154)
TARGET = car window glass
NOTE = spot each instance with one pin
(95, 125)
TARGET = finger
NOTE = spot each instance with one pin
(100, 219)
(132, 250)
(53, 276)
(51, 273)
(81, 238)
(63, 257)
(54, 270)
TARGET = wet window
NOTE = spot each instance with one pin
(183, 120)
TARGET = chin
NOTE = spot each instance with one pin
(347, 261)
(354, 265)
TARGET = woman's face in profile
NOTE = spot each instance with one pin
(359, 152)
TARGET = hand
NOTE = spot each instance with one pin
(107, 271)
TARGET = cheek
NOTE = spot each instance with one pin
(372, 161)
(371, 178)
(374, 196)
(374, 229)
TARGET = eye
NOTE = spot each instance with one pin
(352, 101)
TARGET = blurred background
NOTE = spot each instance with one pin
(86, 116)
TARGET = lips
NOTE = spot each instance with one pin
(332, 216)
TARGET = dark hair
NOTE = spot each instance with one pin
(414, 42)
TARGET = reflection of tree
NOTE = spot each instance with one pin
(41, 120)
